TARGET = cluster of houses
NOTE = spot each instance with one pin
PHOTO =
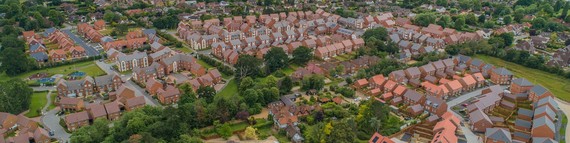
(133, 40)
(123, 99)
(91, 33)
(560, 58)
(328, 68)
(255, 35)
(65, 49)
(286, 115)
(20, 129)
(536, 123)
(88, 86)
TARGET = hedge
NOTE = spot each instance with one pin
(219, 65)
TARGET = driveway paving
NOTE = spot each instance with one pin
(51, 122)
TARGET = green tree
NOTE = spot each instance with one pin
(223, 130)
(207, 93)
(460, 23)
(424, 19)
(250, 133)
(275, 59)
(95, 133)
(250, 96)
(471, 19)
(441, 3)
(246, 83)
(482, 18)
(188, 95)
(538, 23)
(444, 21)
(302, 55)
(558, 5)
(379, 33)
(285, 85)
(316, 82)
(565, 10)
(188, 139)
(507, 19)
(56, 17)
(15, 62)
(247, 66)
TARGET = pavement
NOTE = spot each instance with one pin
(49, 102)
(90, 50)
(51, 122)
(43, 88)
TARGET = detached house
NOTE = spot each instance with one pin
(501, 76)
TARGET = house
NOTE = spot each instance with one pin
(545, 111)
(468, 83)
(523, 125)
(96, 111)
(454, 87)
(74, 121)
(108, 83)
(520, 85)
(99, 25)
(525, 114)
(170, 95)
(361, 83)
(378, 138)
(427, 70)
(543, 127)
(412, 97)
(538, 92)
(153, 85)
(498, 135)
(501, 76)
(377, 81)
(479, 121)
(71, 104)
(546, 101)
(435, 105)
(136, 59)
(543, 140)
(398, 76)
(76, 88)
(415, 110)
(113, 110)
(413, 73)
(134, 103)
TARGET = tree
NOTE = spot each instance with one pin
(111, 17)
(56, 17)
(207, 93)
(508, 38)
(246, 83)
(424, 19)
(379, 33)
(567, 42)
(275, 59)
(167, 22)
(507, 19)
(250, 96)
(538, 23)
(482, 18)
(247, 66)
(15, 62)
(95, 133)
(441, 3)
(301, 55)
(444, 21)
(375, 123)
(223, 130)
(565, 10)
(460, 23)
(250, 133)
(558, 5)
(12, 41)
(285, 85)
(471, 19)
(188, 139)
(316, 82)
(121, 29)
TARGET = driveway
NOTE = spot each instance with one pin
(51, 122)
(91, 51)
(128, 83)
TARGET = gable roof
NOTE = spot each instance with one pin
(539, 90)
(542, 121)
(502, 71)
(522, 82)
(525, 112)
(498, 134)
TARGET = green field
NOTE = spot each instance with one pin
(230, 89)
(89, 67)
(52, 97)
(204, 64)
(39, 100)
(558, 85)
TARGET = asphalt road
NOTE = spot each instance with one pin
(138, 90)
(91, 51)
(51, 122)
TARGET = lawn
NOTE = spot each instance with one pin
(230, 89)
(38, 102)
(204, 64)
(52, 97)
(558, 85)
(89, 67)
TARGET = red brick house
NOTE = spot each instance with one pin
(71, 104)
(77, 88)
(468, 83)
(435, 105)
(520, 85)
(74, 121)
(152, 86)
(57, 55)
(113, 110)
(377, 81)
(216, 76)
(543, 127)
(170, 95)
(454, 87)
(412, 97)
(501, 76)
(99, 25)
(479, 121)
(538, 92)
(96, 111)
(134, 103)
(361, 83)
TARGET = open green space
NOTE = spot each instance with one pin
(38, 102)
(230, 89)
(89, 67)
(559, 86)
(206, 65)
(52, 97)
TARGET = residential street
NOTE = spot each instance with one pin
(51, 121)
(91, 51)
(565, 107)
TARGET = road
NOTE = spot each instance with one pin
(90, 50)
(201, 52)
(565, 107)
(49, 102)
(469, 135)
(128, 83)
(51, 121)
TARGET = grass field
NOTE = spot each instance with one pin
(52, 97)
(558, 85)
(38, 102)
(89, 67)
(230, 89)
(204, 64)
